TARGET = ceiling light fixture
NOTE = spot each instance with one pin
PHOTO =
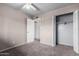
(29, 6)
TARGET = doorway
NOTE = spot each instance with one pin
(30, 30)
(64, 29)
(37, 31)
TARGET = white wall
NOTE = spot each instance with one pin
(76, 31)
(53, 41)
(12, 27)
(46, 30)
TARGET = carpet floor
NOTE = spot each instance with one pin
(38, 49)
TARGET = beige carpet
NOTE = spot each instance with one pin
(38, 49)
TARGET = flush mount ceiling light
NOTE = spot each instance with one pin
(29, 6)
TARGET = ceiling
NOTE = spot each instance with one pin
(42, 7)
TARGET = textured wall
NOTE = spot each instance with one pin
(12, 27)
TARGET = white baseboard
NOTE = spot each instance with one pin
(65, 44)
(45, 43)
(12, 47)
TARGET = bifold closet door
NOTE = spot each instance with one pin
(65, 29)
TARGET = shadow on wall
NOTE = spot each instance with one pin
(14, 52)
(4, 43)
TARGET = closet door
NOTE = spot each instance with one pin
(65, 29)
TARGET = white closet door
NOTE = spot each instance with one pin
(65, 29)
(65, 34)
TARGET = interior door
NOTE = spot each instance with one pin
(30, 30)
(65, 29)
